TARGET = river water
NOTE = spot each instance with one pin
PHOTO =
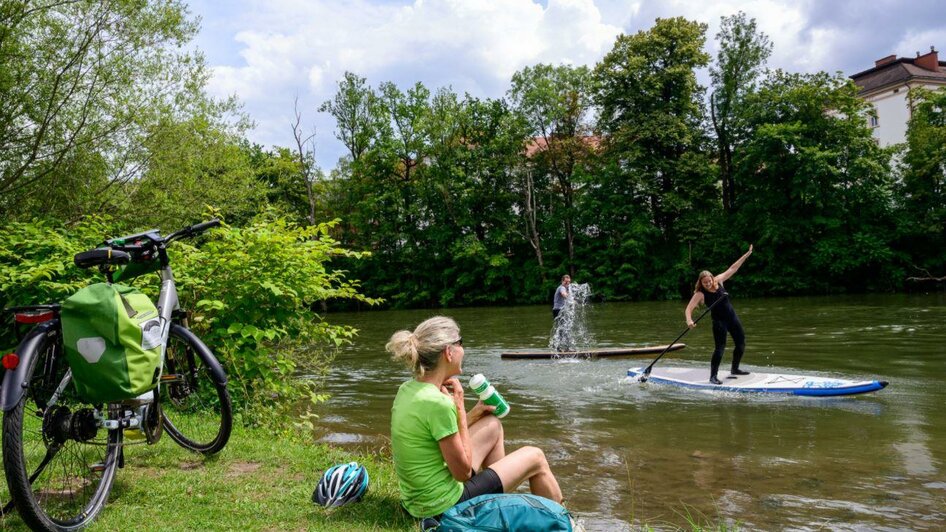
(629, 454)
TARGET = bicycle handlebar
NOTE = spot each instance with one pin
(193, 230)
(143, 247)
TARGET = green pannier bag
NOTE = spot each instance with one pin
(112, 337)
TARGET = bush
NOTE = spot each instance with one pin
(36, 262)
(250, 290)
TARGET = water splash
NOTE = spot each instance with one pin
(570, 330)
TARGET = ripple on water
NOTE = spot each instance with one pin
(344, 438)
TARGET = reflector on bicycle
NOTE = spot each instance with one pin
(10, 361)
(34, 316)
(112, 340)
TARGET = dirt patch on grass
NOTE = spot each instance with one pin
(190, 466)
(242, 468)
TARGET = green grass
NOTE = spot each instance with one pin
(262, 482)
(258, 482)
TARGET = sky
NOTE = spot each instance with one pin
(270, 52)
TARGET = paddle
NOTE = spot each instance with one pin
(643, 377)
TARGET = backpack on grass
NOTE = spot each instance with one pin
(508, 512)
(112, 339)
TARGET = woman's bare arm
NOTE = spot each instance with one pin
(694, 302)
(735, 266)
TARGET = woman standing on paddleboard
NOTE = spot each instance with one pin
(709, 290)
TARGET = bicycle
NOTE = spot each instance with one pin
(60, 453)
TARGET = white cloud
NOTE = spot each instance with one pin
(921, 41)
(289, 48)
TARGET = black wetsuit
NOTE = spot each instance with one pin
(724, 320)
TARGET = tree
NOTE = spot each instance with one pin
(923, 187)
(81, 83)
(743, 52)
(656, 172)
(555, 102)
(191, 164)
(354, 109)
(308, 173)
(817, 188)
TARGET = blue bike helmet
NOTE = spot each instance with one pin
(341, 484)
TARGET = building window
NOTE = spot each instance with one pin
(872, 120)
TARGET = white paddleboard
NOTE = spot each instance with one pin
(758, 382)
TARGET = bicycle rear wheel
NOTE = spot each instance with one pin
(59, 463)
(196, 407)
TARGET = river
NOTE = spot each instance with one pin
(629, 454)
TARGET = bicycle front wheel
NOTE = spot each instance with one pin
(59, 463)
(195, 405)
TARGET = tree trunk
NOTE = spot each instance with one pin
(531, 228)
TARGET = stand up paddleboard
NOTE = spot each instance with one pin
(593, 353)
(759, 382)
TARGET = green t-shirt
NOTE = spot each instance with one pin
(420, 417)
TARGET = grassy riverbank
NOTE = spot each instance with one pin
(258, 482)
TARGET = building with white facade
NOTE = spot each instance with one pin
(886, 87)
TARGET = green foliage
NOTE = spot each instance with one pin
(79, 83)
(657, 170)
(252, 292)
(743, 51)
(611, 173)
(36, 264)
(817, 198)
(192, 163)
(923, 188)
(555, 103)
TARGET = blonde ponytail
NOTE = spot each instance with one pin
(420, 350)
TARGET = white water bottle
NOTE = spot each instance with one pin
(489, 395)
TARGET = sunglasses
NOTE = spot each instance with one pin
(459, 341)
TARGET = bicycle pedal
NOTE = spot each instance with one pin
(97, 468)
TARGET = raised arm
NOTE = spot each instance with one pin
(735, 266)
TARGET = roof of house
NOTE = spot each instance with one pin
(540, 144)
(896, 72)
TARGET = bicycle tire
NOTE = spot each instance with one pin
(196, 409)
(71, 488)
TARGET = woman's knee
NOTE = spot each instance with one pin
(536, 458)
(492, 424)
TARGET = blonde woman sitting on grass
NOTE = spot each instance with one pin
(444, 455)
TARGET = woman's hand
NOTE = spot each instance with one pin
(454, 389)
(479, 410)
(750, 250)
(690, 324)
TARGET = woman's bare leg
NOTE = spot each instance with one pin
(487, 438)
(528, 463)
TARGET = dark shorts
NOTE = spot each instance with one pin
(486, 481)
(555, 312)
